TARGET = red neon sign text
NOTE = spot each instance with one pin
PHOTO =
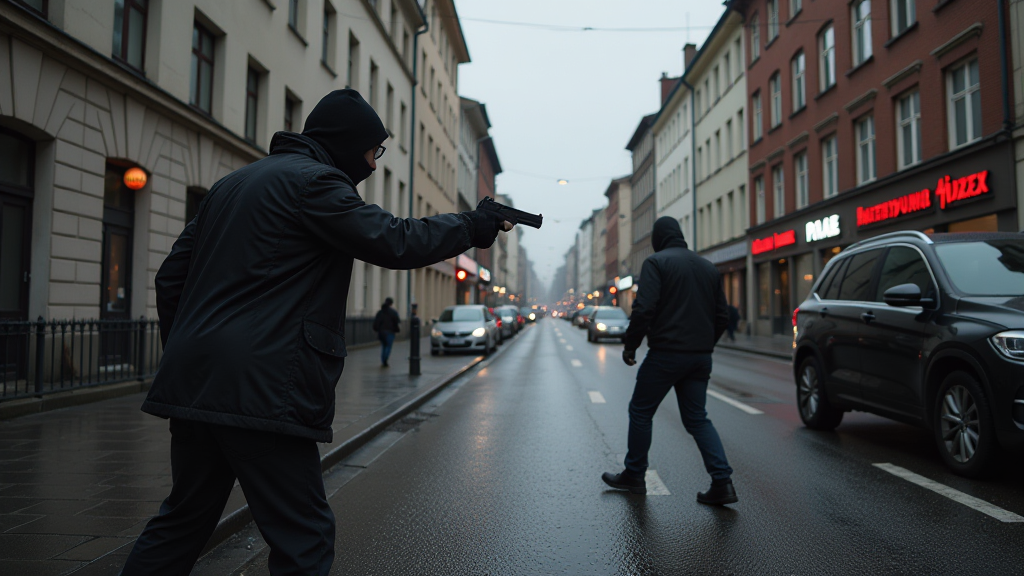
(949, 191)
(773, 242)
(913, 202)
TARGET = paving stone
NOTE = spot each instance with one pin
(36, 546)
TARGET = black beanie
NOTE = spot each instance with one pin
(346, 126)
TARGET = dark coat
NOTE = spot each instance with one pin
(387, 320)
(252, 297)
(680, 305)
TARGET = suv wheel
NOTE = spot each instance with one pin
(815, 410)
(963, 426)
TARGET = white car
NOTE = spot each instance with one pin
(464, 328)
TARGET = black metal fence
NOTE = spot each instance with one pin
(43, 357)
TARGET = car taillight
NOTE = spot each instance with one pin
(795, 312)
(499, 323)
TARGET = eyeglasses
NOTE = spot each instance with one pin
(379, 152)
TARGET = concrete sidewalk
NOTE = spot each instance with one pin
(774, 346)
(78, 485)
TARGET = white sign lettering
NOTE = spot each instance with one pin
(827, 227)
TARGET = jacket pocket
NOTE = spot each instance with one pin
(323, 339)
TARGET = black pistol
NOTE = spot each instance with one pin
(511, 215)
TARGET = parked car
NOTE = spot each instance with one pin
(607, 322)
(927, 330)
(579, 320)
(509, 325)
(464, 328)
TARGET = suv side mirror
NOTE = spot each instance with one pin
(904, 295)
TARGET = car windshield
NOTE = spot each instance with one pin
(991, 268)
(462, 315)
(610, 314)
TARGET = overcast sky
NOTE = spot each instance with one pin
(563, 104)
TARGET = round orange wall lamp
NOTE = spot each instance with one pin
(135, 178)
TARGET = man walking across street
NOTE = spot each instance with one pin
(386, 324)
(681, 309)
(251, 302)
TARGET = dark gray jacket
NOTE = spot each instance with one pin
(252, 297)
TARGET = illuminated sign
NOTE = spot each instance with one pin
(773, 242)
(135, 178)
(484, 274)
(949, 191)
(827, 227)
(626, 283)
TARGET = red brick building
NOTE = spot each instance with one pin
(855, 107)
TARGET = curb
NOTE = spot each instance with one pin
(758, 351)
(238, 519)
(73, 397)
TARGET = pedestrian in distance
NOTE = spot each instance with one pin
(386, 324)
(251, 302)
(734, 322)
(681, 309)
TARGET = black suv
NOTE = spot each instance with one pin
(927, 330)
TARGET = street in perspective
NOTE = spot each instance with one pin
(743, 292)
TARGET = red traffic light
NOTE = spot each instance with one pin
(461, 275)
(613, 290)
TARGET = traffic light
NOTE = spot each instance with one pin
(613, 290)
(461, 275)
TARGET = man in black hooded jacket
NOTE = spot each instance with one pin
(251, 302)
(681, 309)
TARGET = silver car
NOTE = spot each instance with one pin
(509, 326)
(607, 322)
(464, 328)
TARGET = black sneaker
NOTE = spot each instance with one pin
(625, 481)
(718, 495)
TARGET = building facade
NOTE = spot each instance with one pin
(673, 135)
(865, 118)
(473, 132)
(584, 256)
(643, 208)
(617, 245)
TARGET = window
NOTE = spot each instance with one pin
(728, 69)
(293, 14)
(857, 281)
(759, 190)
(738, 50)
(865, 150)
(400, 129)
(903, 265)
(740, 133)
(352, 68)
(193, 198)
(394, 23)
(718, 84)
(130, 32)
(830, 167)
(756, 128)
(908, 136)
(778, 191)
(118, 224)
(718, 149)
(827, 58)
(328, 47)
(37, 5)
(755, 38)
(799, 75)
(795, 6)
(964, 104)
(728, 140)
(903, 15)
(200, 94)
(697, 104)
(802, 192)
(252, 91)
(861, 18)
(374, 74)
(291, 105)
(17, 158)
(775, 86)
(773, 20)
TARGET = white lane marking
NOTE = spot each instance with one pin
(736, 403)
(561, 340)
(596, 397)
(576, 363)
(655, 487)
(569, 348)
(953, 494)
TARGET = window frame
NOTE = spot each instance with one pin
(826, 58)
(911, 8)
(761, 207)
(773, 20)
(775, 92)
(863, 25)
(913, 121)
(252, 99)
(757, 120)
(868, 142)
(778, 191)
(800, 171)
(125, 32)
(830, 186)
(799, 77)
(755, 37)
(969, 93)
(202, 32)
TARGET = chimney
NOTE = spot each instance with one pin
(689, 52)
(667, 84)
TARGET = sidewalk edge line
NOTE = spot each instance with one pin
(769, 353)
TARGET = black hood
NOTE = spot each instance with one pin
(346, 127)
(667, 234)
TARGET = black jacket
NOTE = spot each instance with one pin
(680, 305)
(387, 320)
(252, 297)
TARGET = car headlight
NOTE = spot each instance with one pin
(435, 333)
(533, 316)
(479, 332)
(1010, 344)
(601, 326)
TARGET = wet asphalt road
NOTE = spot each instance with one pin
(503, 477)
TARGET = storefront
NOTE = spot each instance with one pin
(472, 281)
(732, 265)
(970, 190)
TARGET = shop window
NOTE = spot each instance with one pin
(764, 289)
(130, 32)
(908, 136)
(988, 223)
(798, 66)
(865, 129)
(201, 78)
(964, 104)
(861, 18)
(830, 166)
(827, 58)
(902, 15)
(804, 265)
(783, 311)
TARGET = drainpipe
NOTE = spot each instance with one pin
(693, 159)
(1007, 119)
(412, 144)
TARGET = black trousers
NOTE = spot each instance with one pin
(282, 482)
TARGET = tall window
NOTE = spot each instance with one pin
(865, 129)
(389, 109)
(290, 111)
(759, 190)
(827, 58)
(778, 191)
(908, 136)
(802, 191)
(718, 84)
(727, 64)
(352, 68)
(201, 91)
(773, 20)
(964, 104)
(17, 158)
(293, 14)
(861, 18)
(328, 45)
(374, 90)
(729, 153)
(130, 32)
(795, 6)
(903, 14)
(755, 38)
(37, 5)
(756, 105)
(740, 135)
(775, 86)
(799, 82)
(830, 167)
(193, 198)
(252, 92)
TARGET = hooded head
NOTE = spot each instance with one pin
(667, 234)
(346, 126)
(387, 302)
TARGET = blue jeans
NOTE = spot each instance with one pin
(387, 340)
(688, 373)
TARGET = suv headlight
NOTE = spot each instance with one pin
(1010, 344)
(602, 326)
(435, 333)
(479, 332)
